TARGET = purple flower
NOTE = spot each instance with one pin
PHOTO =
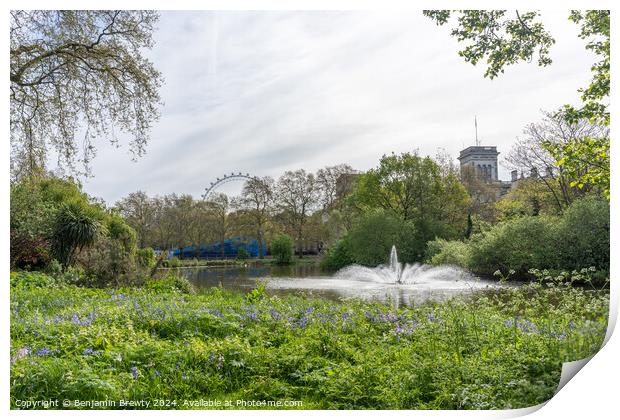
(21, 353)
(45, 351)
(88, 351)
(134, 372)
(156, 374)
(275, 314)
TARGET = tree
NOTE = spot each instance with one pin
(282, 249)
(296, 199)
(137, 209)
(533, 152)
(413, 188)
(328, 181)
(76, 226)
(219, 207)
(257, 198)
(79, 71)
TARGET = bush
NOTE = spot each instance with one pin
(440, 252)
(583, 235)
(174, 262)
(31, 279)
(172, 282)
(518, 244)
(77, 226)
(578, 239)
(337, 256)
(282, 249)
(145, 257)
(243, 254)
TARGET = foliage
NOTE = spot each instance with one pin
(31, 279)
(584, 236)
(76, 72)
(338, 255)
(282, 249)
(585, 161)
(34, 206)
(145, 257)
(172, 282)
(414, 189)
(441, 251)
(529, 197)
(578, 238)
(502, 41)
(495, 351)
(242, 254)
(594, 26)
(297, 197)
(77, 226)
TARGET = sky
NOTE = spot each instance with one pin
(266, 92)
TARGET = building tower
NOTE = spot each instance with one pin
(482, 159)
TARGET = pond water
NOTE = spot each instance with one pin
(418, 283)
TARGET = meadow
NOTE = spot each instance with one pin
(164, 342)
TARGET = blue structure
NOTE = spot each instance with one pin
(214, 250)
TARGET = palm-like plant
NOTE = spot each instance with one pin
(76, 226)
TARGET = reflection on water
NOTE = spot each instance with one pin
(309, 280)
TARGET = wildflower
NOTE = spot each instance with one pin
(45, 351)
(134, 372)
(571, 325)
(184, 376)
(398, 329)
(21, 353)
(509, 323)
(156, 374)
(87, 351)
(275, 314)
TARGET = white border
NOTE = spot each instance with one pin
(592, 393)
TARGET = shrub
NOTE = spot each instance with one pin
(518, 244)
(31, 279)
(441, 251)
(172, 282)
(282, 249)
(145, 257)
(174, 262)
(243, 254)
(579, 238)
(583, 235)
(337, 256)
(76, 227)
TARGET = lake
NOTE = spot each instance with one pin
(423, 282)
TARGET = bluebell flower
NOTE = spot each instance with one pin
(134, 372)
(45, 351)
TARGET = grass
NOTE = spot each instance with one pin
(492, 351)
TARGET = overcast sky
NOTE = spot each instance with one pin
(266, 92)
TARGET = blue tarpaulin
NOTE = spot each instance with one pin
(214, 250)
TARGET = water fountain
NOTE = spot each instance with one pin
(395, 282)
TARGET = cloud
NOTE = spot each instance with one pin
(264, 92)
